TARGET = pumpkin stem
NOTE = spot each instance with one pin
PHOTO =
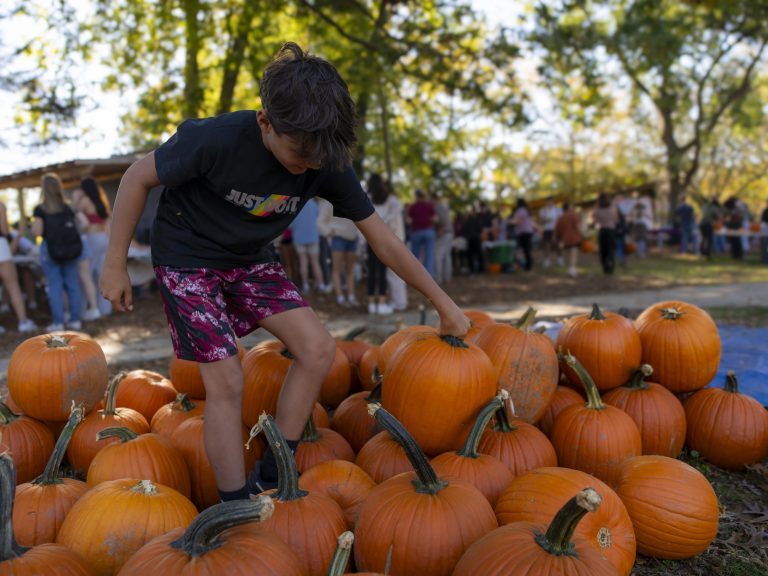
(525, 321)
(119, 432)
(287, 475)
(310, 433)
(9, 549)
(469, 450)
(731, 383)
(51, 473)
(454, 341)
(57, 341)
(557, 540)
(144, 487)
(203, 533)
(375, 395)
(594, 402)
(111, 394)
(427, 481)
(671, 313)
(183, 403)
(6, 414)
(341, 555)
(596, 313)
(377, 377)
(637, 382)
(352, 334)
(501, 420)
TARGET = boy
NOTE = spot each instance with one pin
(232, 184)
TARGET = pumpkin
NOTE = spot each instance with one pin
(682, 344)
(41, 560)
(367, 370)
(186, 378)
(672, 506)
(417, 521)
(145, 391)
(658, 413)
(168, 417)
(450, 377)
(351, 419)
(264, 369)
(394, 341)
(587, 246)
(42, 504)
(537, 495)
(383, 457)
(561, 399)
(518, 445)
(85, 444)
(486, 473)
(354, 349)
(595, 438)
(320, 445)
(47, 373)
(149, 456)
(320, 415)
(110, 522)
(343, 481)
(337, 382)
(525, 363)
(308, 522)
(224, 539)
(607, 345)
(728, 428)
(524, 548)
(28, 441)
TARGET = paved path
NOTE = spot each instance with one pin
(731, 295)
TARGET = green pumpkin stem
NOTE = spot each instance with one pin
(454, 341)
(287, 475)
(341, 556)
(310, 433)
(6, 414)
(502, 423)
(525, 321)
(375, 395)
(377, 377)
(51, 473)
(57, 341)
(427, 481)
(637, 382)
(596, 313)
(731, 383)
(9, 548)
(203, 534)
(111, 394)
(354, 333)
(557, 540)
(120, 432)
(594, 402)
(671, 313)
(469, 450)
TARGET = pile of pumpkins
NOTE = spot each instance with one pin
(502, 453)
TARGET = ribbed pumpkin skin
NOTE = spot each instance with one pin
(168, 417)
(338, 381)
(264, 369)
(428, 532)
(672, 506)
(149, 457)
(185, 377)
(537, 496)
(393, 342)
(512, 549)
(39, 510)
(345, 482)
(29, 442)
(609, 349)
(47, 560)
(382, 457)
(83, 447)
(47, 373)
(436, 390)
(486, 473)
(526, 367)
(561, 399)
(729, 429)
(330, 446)
(145, 391)
(595, 441)
(684, 352)
(351, 420)
(523, 449)
(320, 415)
(368, 363)
(114, 519)
(246, 550)
(658, 414)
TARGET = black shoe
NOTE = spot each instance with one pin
(256, 484)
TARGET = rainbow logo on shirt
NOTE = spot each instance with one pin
(261, 206)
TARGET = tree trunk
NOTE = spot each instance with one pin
(192, 91)
(235, 56)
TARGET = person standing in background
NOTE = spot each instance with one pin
(392, 212)
(568, 235)
(605, 217)
(306, 242)
(549, 215)
(421, 219)
(711, 214)
(344, 236)
(686, 219)
(639, 226)
(524, 229)
(764, 235)
(444, 242)
(376, 282)
(9, 275)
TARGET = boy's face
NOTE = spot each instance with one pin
(284, 148)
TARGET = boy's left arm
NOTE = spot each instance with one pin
(396, 255)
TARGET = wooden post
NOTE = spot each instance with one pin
(23, 224)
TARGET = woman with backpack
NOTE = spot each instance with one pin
(60, 250)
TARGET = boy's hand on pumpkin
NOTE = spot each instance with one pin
(454, 323)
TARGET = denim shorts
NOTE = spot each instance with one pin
(208, 308)
(339, 244)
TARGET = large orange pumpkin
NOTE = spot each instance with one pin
(525, 363)
(368, 369)
(27, 441)
(728, 428)
(320, 445)
(351, 418)
(186, 378)
(47, 373)
(451, 378)
(168, 417)
(145, 391)
(672, 506)
(563, 397)
(383, 457)
(607, 345)
(264, 369)
(681, 342)
(394, 341)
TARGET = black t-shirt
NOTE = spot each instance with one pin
(227, 197)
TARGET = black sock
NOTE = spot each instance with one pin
(269, 464)
(241, 494)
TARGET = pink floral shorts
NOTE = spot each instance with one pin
(208, 308)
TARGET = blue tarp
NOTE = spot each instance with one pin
(745, 351)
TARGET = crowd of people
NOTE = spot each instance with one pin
(326, 254)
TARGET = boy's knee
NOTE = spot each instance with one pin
(321, 354)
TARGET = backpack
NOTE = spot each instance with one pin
(62, 236)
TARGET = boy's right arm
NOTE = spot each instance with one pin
(138, 180)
